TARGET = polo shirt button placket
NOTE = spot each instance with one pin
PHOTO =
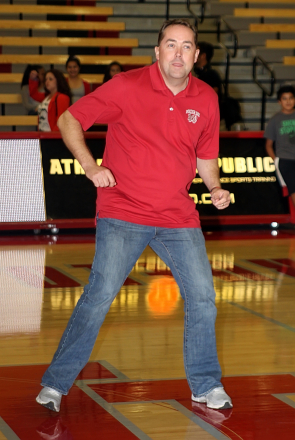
(171, 114)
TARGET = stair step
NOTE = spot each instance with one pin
(149, 9)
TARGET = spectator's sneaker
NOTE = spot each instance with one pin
(49, 398)
(216, 399)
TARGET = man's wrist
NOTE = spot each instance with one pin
(214, 187)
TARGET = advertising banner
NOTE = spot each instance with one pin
(68, 192)
(249, 175)
(245, 169)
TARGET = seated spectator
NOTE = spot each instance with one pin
(78, 86)
(280, 131)
(230, 110)
(112, 70)
(56, 99)
(203, 69)
(30, 104)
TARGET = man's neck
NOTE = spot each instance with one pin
(177, 85)
(288, 112)
(177, 88)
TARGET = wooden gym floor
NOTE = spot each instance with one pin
(135, 387)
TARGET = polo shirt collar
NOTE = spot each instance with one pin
(158, 82)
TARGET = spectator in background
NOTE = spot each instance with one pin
(30, 104)
(281, 131)
(203, 69)
(230, 110)
(56, 99)
(112, 70)
(78, 86)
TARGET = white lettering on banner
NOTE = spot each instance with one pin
(268, 165)
(55, 167)
(231, 165)
(77, 168)
(240, 165)
(67, 166)
(205, 198)
(227, 164)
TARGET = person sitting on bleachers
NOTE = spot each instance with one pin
(203, 69)
(112, 70)
(230, 110)
(57, 98)
(78, 86)
(30, 104)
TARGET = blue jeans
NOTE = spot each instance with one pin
(119, 244)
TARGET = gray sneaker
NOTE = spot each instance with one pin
(216, 399)
(49, 398)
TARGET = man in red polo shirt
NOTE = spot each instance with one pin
(161, 121)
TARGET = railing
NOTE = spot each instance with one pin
(197, 19)
(230, 52)
(167, 8)
(257, 60)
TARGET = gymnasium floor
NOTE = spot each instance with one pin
(135, 387)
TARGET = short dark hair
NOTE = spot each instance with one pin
(26, 75)
(285, 89)
(107, 75)
(75, 59)
(206, 48)
(61, 83)
(176, 22)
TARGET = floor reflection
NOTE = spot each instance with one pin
(53, 429)
(21, 289)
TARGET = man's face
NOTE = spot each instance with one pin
(287, 102)
(177, 53)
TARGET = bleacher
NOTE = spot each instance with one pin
(264, 28)
(48, 31)
(35, 33)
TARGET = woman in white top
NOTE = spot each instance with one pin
(56, 99)
(78, 86)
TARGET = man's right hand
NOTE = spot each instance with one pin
(101, 177)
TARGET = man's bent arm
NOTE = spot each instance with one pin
(209, 171)
(73, 137)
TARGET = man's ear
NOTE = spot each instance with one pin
(197, 55)
(157, 52)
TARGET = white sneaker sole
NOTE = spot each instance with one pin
(49, 404)
(227, 405)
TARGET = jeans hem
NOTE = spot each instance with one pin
(207, 392)
(54, 388)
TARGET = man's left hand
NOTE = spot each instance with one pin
(220, 198)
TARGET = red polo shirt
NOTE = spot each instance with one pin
(151, 146)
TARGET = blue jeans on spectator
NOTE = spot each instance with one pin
(119, 244)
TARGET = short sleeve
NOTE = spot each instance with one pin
(103, 106)
(208, 143)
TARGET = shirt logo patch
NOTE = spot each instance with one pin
(192, 115)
